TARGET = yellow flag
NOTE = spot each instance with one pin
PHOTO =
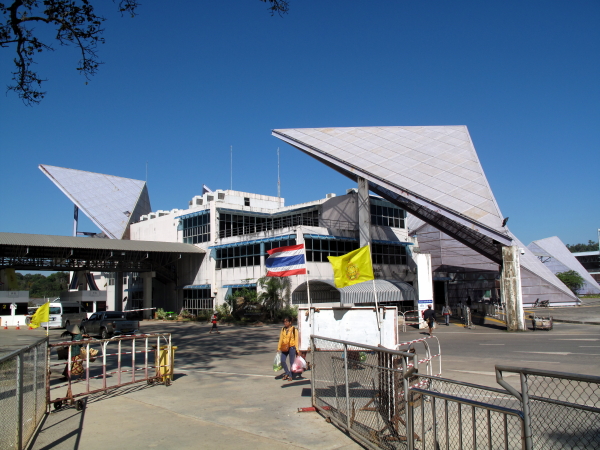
(351, 268)
(41, 315)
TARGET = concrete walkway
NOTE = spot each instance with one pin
(225, 395)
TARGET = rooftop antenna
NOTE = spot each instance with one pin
(278, 181)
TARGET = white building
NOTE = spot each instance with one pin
(237, 228)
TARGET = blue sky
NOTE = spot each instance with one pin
(183, 83)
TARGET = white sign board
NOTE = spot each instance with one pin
(354, 324)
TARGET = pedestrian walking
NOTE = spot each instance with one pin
(446, 312)
(429, 316)
(214, 323)
(288, 342)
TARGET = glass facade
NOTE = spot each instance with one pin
(317, 250)
(387, 215)
(240, 224)
(247, 255)
(196, 229)
(388, 254)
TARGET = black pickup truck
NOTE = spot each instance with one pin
(109, 323)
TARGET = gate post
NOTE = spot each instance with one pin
(526, 412)
(347, 386)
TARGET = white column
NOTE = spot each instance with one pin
(424, 284)
(511, 289)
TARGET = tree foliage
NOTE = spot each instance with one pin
(589, 247)
(571, 279)
(40, 286)
(275, 291)
(71, 23)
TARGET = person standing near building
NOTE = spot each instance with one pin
(446, 312)
(429, 316)
(214, 323)
(288, 342)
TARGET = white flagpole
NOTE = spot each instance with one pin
(48, 321)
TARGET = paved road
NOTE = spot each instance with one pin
(225, 394)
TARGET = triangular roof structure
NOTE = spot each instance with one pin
(433, 172)
(111, 202)
(563, 260)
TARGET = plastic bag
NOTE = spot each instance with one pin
(277, 362)
(299, 365)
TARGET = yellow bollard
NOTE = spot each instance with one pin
(166, 372)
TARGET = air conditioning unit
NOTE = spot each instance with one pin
(210, 198)
(330, 196)
(152, 216)
(221, 196)
(199, 201)
(191, 202)
(161, 213)
(144, 217)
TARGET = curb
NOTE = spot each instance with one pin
(580, 322)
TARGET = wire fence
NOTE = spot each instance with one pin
(22, 394)
(563, 409)
(380, 397)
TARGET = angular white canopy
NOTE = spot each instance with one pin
(111, 202)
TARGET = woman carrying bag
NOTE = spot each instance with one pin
(288, 341)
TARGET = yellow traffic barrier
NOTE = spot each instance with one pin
(164, 369)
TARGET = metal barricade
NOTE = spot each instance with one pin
(381, 399)
(408, 319)
(430, 357)
(22, 394)
(124, 360)
(562, 410)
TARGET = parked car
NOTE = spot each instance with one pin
(61, 314)
(107, 324)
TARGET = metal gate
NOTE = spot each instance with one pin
(380, 397)
(107, 364)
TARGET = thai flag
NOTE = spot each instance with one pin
(285, 261)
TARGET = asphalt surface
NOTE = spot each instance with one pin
(225, 394)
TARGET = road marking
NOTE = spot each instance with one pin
(477, 372)
(589, 346)
(559, 353)
(540, 362)
(575, 339)
(226, 373)
(491, 344)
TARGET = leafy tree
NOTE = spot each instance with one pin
(589, 247)
(571, 279)
(243, 301)
(40, 286)
(275, 291)
(70, 22)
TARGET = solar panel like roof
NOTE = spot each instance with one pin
(432, 172)
(558, 250)
(111, 202)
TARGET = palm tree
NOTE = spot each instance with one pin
(275, 290)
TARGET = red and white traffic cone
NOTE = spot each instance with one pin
(5, 324)
(18, 327)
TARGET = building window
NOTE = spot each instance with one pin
(197, 299)
(276, 244)
(246, 201)
(196, 229)
(240, 224)
(388, 254)
(241, 256)
(387, 215)
(317, 250)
